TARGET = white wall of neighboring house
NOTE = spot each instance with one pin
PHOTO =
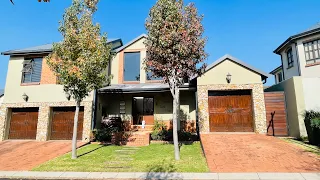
(1, 99)
(289, 72)
(310, 71)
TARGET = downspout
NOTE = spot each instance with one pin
(298, 60)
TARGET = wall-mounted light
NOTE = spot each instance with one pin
(228, 77)
(25, 97)
(68, 96)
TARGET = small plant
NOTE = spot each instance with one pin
(312, 123)
(159, 130)
(315, 123)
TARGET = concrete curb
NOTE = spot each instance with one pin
(158, 175)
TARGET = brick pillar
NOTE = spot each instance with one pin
(43, 123)
(3, 122)
(87, 121)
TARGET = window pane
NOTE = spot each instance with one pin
(147, 106)
(311, 55)
(149, 77)
(132, 66)
(305, 47)
(316, 55)
(307, 56)
(310, 46)
(36, 72)
(26, 77)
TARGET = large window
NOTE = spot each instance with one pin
(290, 58)
(312, 51)
(131, 69)
(31, 71)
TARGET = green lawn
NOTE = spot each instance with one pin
(152, 158)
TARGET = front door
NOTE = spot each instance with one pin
(143, 109)
(230, 111)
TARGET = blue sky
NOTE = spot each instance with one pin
(247, 29)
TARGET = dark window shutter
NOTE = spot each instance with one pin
(37, 67)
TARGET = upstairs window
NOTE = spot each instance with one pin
(31, 71)
(290, 58)
(312, 51)
(131, 69)
(279, 76)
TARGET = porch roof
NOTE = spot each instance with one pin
(136, 88)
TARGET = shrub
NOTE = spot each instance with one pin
(109, 126)
(312, 123)
(159, 130)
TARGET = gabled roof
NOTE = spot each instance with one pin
(276, 70)
(237, 61)
(47, 48)
(131, 42)
(312, 30)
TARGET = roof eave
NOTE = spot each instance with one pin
(294, 37)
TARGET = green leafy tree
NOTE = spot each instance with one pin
(175, 47)
(80, 60)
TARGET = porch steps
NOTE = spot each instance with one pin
(132, 139)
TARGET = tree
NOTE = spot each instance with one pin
(175, 47)
(80, 60)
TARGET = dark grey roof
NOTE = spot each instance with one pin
(312, 30)
(1, 92)
(47, 48)
(145, 87)
(231, 58)
(276, 69)
(131, 42)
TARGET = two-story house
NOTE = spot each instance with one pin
(227, 97)
(300, 55)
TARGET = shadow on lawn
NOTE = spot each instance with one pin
(91, 150)
(163, 170)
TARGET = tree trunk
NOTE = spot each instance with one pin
(75, 128)
(175, 124)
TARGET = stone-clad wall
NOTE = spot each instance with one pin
(259, 111)
(44, 118)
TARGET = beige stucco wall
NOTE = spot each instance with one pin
(295, 104)
(114, 69)
(311, 89)
(36, 93)
(240, 75)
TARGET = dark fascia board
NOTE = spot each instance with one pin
(43, 51)
(294, 37)
(241, 63)
(276, 70)
(130, 43)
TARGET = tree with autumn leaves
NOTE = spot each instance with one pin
(81, 58)
(175, 46)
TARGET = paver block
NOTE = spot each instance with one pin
(95, 175)
(234, 176)
(280, 176)
(311, 176)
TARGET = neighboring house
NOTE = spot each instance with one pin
(300, 55)
(1, 96)
(299, 76)
(229, 97)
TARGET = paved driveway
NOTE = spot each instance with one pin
(256, 153)
(24, 155)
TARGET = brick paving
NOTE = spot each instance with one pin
(24, 155)
(256, 153)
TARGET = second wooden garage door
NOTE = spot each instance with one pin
(230, 111)
(62, 123)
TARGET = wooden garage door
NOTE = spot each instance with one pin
(23, 123)
(230, 111)
(62, 123)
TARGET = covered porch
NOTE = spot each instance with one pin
(133, 103)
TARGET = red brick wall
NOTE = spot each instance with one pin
(47, 76)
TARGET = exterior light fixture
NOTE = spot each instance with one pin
(68, 96)
(228, 77)
(25, 97)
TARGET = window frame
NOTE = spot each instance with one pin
(279, 75)
(313, 50)
(290, 63)
(124, 64)
(31, 71)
